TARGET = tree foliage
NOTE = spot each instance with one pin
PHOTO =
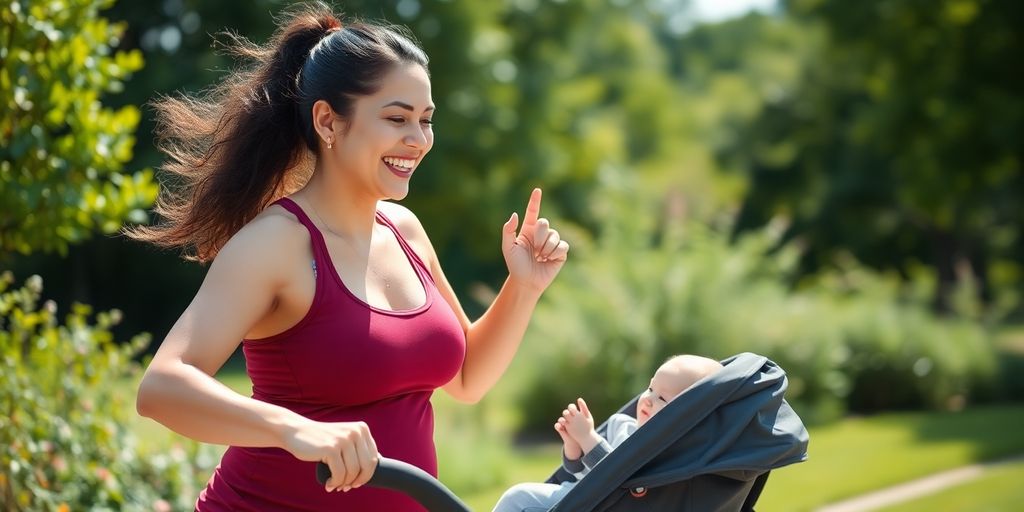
(900, 142)
(62, 153)
(850, 339)
(569, 96)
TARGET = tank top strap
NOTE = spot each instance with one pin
(420, 266)
(321, 258)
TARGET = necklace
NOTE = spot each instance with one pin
(382, 277)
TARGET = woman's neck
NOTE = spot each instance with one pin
(345, 210)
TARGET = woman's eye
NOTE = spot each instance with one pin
(428, 122)
(397, 120)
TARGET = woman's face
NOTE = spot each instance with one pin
(389, 132)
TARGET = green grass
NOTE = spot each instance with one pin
(859, 455)
(998, 490)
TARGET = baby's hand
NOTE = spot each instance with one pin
(570, 447)
(578, 421)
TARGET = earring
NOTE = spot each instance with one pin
(330, 143)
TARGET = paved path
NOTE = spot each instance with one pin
(915, 488)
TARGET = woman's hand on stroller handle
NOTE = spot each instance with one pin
(347, 449)
(411, 480)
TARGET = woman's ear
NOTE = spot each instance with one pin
(323, 121)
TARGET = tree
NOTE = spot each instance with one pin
(901, 143)
(62, 153)
(526, 97)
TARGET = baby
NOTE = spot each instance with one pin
(583, 447)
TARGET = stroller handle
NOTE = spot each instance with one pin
(411, 480)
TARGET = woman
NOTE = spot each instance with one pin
(346, 319)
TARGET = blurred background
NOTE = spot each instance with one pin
(835, 185)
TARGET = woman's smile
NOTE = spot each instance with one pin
(401, 167)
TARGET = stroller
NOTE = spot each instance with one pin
(711, 451)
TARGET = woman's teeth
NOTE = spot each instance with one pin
(400, 162)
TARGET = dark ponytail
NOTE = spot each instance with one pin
(250, 140)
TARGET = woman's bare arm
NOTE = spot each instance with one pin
(178, 388)
(493, 339)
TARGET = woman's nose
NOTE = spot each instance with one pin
(417, 138)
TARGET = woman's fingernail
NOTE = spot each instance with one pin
(347, 488)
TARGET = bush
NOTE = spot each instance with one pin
(850, 339)
(64, 437)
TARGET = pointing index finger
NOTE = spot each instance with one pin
(532, 209)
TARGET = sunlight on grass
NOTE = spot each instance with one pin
(999, 490)
(863, 454)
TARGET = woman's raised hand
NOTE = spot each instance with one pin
(536, 254)
(347, 448)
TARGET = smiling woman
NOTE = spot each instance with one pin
(335, 293)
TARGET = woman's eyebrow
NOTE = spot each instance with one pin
(406, 106)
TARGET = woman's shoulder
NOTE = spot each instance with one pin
(273, 237)
(403, 219)
(274, 225)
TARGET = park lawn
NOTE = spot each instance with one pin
(998, 490)
(859, 455)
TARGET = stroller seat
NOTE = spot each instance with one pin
(708, 450)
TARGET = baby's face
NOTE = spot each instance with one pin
(666, 384)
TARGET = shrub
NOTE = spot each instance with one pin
(65, 442)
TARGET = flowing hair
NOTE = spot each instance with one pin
(250, 140)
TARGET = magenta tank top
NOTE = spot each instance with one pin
(344, 361)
